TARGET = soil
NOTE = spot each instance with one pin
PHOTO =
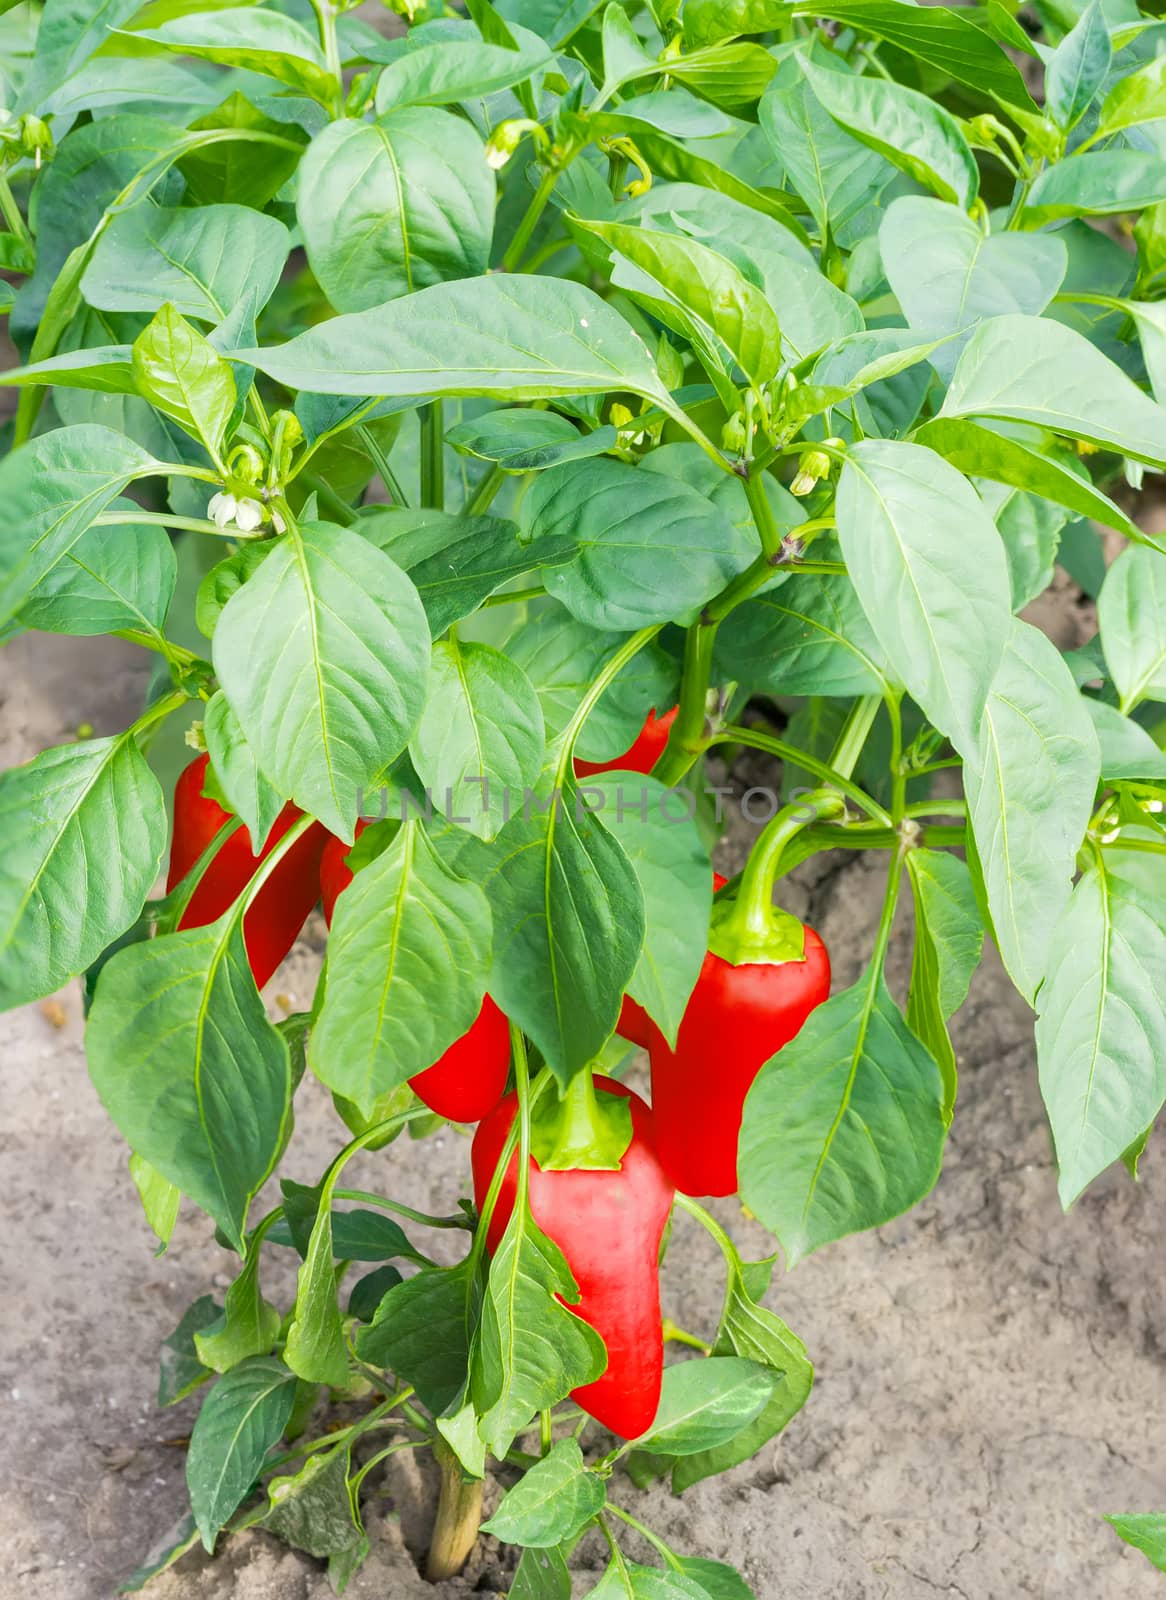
(991, 1372)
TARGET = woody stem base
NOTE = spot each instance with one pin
(459, 1511)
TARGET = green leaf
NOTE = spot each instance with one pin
(420, 1334)
(1146, 1531)
(718, 1580)
(513, 1375)
(562, 657)
(117, 576)
(263, 41)
(1098, 183)
(369, 1291)
(663, 844)
(316, 1510)
(249, 1325)
(220, 583)
(553, 1501)
(315, 1349)
(568, 925)
(440, 69)
(1031, 530)
(628, 1580)
(480, 740)
(1127, 750)
(650, 548)
(908, 128)
(160, 1199)
(986, 452)
(948, 939)
(106, 369)
(201, 260)
(844, 1127)
(407, 955)
(942, 36)
(948, 275)
(244, 788)
(704, 1403)
(189, 1068)
(51, 489)
(1139, 97)
(699, 294)
(239, 171)
(455, 561)
(749, 1330)
(541, 1575)
(180, 1372)
(1101, 1031)
(69, 34)
(323, 655)
(1131, 611)
(1078, 67)
(929, 570)
(810, 636)
(179, 371)
(395, 205)
(838, 176)
(528, 441)
(515, 337)
(84, 828)
(1027, 369)
(181, 1537)
(241, 1419)
(1030, 780)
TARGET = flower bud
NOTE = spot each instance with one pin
(735, 434)
(813, 466)
(505, 140)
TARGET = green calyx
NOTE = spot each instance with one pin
(770, 935)
(582, 1129)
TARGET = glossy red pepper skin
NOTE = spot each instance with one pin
(634, 1022)
(642, 755)
(608, 1226)
(281, 907)
(735, 1020)
(470, 1078)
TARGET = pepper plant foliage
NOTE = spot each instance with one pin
(757, 358)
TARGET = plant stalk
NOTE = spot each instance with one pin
(459, 1512)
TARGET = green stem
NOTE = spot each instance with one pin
(432, 456)
(510, 597)
(690, 736)
(610, 670)
(365, 1197)
(155, 713)
(459, 1513)
(676, 1335)
(750, 927)
(12, 214)
(854, 735)
(654, 1539)
(177, 655)
(763, 518)
(898, 776)
(487, 489)
(756, 740)
(545, 1432)
(167, 519)
(330, 44)
(530, 219)
(936, 808)
(329, 499)
(381, 462)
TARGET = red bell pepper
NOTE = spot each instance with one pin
(281, 907)
(608, 1223)
(763, 975)
(470, 1078)
(642, 755)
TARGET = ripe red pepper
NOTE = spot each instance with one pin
(737, 1017)
(642, 755)
(608, 1224)
(470, 1078)
(634, 1022)
(281, 907)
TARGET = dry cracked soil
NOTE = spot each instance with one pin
(991, 1373)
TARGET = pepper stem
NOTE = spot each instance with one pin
(459, 1512)
(750, 928)
(584, 1129)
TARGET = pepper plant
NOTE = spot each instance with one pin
(485, 421)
